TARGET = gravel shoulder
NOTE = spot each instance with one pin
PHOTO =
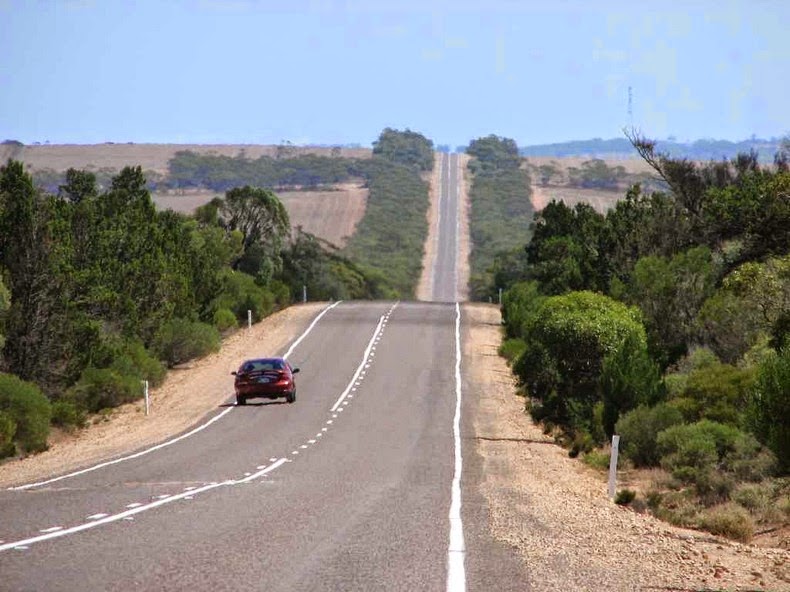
(186, 396)
(555, 513)
(423, 292)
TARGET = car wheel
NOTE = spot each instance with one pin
(240, 400)
(291, 397)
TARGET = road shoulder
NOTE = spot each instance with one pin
(554, 513)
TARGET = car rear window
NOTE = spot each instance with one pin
(262, 365)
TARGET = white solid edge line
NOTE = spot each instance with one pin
(309, 328)
(174, 440)
(456, 551)
(137, 510)
(124, 458)
(359, 368)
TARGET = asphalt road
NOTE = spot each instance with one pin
(445, 264)
(350, 488)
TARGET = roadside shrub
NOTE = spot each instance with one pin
(180, 340)
(29, 409)
(520, 302)
(768, 407)
(7, 431)
(728, 520)
(240, 293)
(677, 507)
(752, 497)
(67, 414)
(582, 443)
(135, 361)
(511, 349)
(714, 487)
(224, 319)
(101, 388)
(628, 378)
(568, 338)
(281, 293)
(674, 440)
(748, 460)
(710, 455)
(716, 391)
(624, 497)
(597, 459)
(639, 429)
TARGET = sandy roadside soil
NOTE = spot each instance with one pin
(555, 512)
(186, 396)
(423, 291)
(464, 240)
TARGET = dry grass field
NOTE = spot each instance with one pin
(331, 214)
(599, 199)
(152, 157)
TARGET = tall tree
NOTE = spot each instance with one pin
(37, 258)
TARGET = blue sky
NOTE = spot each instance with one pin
(327, 72)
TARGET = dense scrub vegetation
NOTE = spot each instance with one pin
(220, 173)
(390, 238)
(500, 209)
(99, 291)
(666, 321)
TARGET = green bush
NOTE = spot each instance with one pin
(7, 432)
(752, 497)
(281, 293)
(639, 429)
(224, 319)
(768, 407)
(67, 414)
(624, 497)
(29, 409)
(717, 392)
(519, 304)
(135, 361)
(240, 293)
(699, 445)
(676, 507)
(628, 378)
(728, 520)
(181, 340)
(511, 349)
(102, 388)
(597, 459)
(748, 460)
(582, 443)
(567, 340)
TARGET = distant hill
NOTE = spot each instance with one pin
(621, 148)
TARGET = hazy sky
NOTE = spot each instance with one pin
(330, 72)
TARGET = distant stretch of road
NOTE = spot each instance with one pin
(368, 482)
(444, 274)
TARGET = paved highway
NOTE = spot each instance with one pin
(368, 482)
(445, 264)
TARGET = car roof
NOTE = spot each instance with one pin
(264, 360)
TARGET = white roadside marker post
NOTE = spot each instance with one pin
(145, 394)
(249, 319)
(613, 465)
(304, 293)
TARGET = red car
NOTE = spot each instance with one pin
(268, 378)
